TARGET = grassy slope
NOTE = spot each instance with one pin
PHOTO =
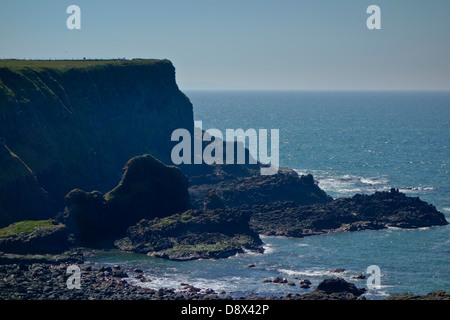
(27, 226)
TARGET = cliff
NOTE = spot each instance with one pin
(73, 124)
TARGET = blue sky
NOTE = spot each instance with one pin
(247, 44)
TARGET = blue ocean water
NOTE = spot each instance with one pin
(352, 142)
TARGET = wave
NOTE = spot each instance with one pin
(177, 281)
(268, 249)
(415, 189)
(306, 273)
(344, 185)
(446, 209)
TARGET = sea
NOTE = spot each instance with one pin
(351, 142)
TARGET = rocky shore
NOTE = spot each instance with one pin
(39, 281)
(44, 281)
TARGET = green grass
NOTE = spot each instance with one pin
(68, 64)
(28, 226)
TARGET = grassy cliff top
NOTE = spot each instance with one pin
(69, 64)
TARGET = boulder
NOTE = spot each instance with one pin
(333, 289)
(338, 285)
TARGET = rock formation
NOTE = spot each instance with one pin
(214, 232)
(148, 189)
(377, 211)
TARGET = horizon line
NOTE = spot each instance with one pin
(318, 90)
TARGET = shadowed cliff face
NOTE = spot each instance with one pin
(74, 126)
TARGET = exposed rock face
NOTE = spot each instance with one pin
(148, 189)
(216, 232)
(74, 124)
(19, 190)
(377, 211)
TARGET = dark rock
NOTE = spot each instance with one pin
(105, 268)
(213, 202)
(333, 289)
(119, 274)
(193, 234)
(286, 185)
(41, 237)
(280, 280)
(88, 217)
(148, 189)
(251, 266)
(338, 285)
(435, 295)
(359, 277)
(338, 270)
(360, 212)
(305, 281)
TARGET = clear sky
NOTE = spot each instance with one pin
(247, 44)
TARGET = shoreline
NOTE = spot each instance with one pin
(47, 281)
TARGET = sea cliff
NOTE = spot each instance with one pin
(74, 124)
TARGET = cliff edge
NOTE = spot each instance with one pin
(73, 124)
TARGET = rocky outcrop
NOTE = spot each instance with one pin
(34, 237)
(148, 189)
(73, 124)
(435, 295)
(215, 232)
(377, 211)
(333, 289)
(247, 191)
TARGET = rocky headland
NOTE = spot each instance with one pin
(361, 212)
(85, 151)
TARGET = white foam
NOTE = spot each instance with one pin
(300, 172)
(416, 189)
(446, 209)
(306, 273)
(174, 282)
(348, 185)
(268, 249)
